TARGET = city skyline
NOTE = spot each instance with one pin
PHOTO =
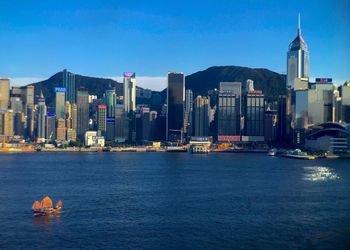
(249, 26)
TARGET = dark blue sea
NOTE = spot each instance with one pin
(174, 201)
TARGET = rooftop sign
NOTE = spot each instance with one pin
(129, 74)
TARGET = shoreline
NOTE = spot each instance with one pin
(142, 150)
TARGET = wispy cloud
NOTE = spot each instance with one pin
(21, 81)
(157, 83)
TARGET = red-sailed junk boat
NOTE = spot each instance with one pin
(45, 207)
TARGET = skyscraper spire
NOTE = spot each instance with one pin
(299, 29)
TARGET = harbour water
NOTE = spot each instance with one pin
(174, 201)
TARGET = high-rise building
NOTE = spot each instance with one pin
(82, 113)
(121, 124)
(50, 126)
(345, 107)
(254, 114)
(297, 85)
(16, 103)
(69, 85)
(110, 129)
(282, 120)
(297, 61)
(129, 91)
(102, 119)
(7, 125)
(229, 111)
(320, 102)
(61, 129)
(60, 103)
(188, 119)
(74, 117)
(1, 121)
(68, 115)
(270, 126)
(175, 106)
(145, 124)
(27, 96)
(71, 121)
(110, 101)
(42, 111)
(228, 117)
(4, 93)
(201, 116)
(18, 124)
(235, 88)
(153, 115)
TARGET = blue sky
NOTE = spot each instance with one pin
(106, 38)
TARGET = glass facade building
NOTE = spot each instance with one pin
(69, 84)
(297, 59)
(111, 101)
(129, 92)
(82, 112)
(254, 117)
(201, 116)
(228, 117)
(175, 106)
(60, 107)
(41, 117)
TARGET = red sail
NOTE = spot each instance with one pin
(36, 205)
(46, 202)
(59, 203)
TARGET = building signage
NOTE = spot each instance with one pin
(60, 89)
(129, 74)
(324, 80)
(229, 138)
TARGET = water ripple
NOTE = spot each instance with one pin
(319, 173)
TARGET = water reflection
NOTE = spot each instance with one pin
(319, 173)
(46, 221)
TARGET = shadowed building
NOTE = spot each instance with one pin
(69, 84)
(82, 113)
(175, 106)
(201, 116)
(42, 110)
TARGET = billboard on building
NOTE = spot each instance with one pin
(229, 138)
(60, 89)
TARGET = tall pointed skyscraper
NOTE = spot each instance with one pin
(297, 59)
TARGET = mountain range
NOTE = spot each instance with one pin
(271, 83)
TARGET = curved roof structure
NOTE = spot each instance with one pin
(336, 130)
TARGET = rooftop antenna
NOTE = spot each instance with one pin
(299, 29)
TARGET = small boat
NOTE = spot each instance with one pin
(45, 207)
(298, 154)
(272, 152)
(175, 149)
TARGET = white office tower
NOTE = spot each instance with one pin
(129, 92)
